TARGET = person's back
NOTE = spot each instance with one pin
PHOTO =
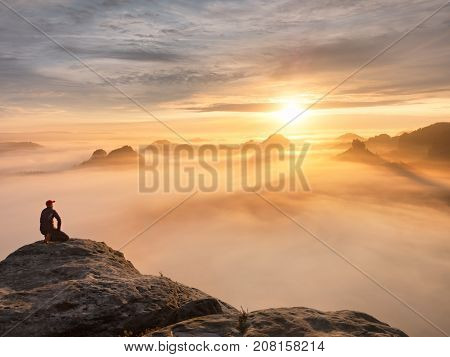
(48, 215)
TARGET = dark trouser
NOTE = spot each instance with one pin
(54, 235)
(46, 230)
(59, 236)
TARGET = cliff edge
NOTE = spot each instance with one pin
(85, 288)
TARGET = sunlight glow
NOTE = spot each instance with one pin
(288, 111)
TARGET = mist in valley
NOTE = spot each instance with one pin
(239, 248)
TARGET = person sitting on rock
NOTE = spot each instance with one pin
(48, 216)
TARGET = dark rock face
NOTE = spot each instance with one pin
(283, 322)
(84, 288)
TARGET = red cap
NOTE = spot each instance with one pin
(49, 203)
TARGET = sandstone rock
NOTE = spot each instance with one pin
(359, 153)
(282, 322)
(98, 154)
(85, 288)
(124, 156)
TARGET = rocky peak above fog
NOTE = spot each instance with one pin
(276, 139)
(125, 155)
(359, 153)
(85, 288)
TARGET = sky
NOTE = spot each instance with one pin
(229, 66)
(220, 70)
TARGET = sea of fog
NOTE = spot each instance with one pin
(237, 247)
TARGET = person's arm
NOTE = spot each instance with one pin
(58, 219)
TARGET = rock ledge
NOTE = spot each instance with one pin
(85, 288)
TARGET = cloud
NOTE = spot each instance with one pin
(128, 54)
(237, 107)
(161, 51)
(333, 104)
(272, 107)
(181, 76)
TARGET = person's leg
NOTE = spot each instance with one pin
(47, 238)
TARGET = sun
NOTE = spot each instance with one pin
(289, 109)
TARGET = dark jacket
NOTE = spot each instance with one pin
(47, 217)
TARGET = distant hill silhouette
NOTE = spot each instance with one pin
(18, 146)
(162, 142)
(431, 142)
(250, 143)
(277, 139)
(435, 138)
(439, 132)
(122, 156)
(126, 155)
(382, 139)
(359, 153)
(349, 137)
(439, 151)
(98, 154)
